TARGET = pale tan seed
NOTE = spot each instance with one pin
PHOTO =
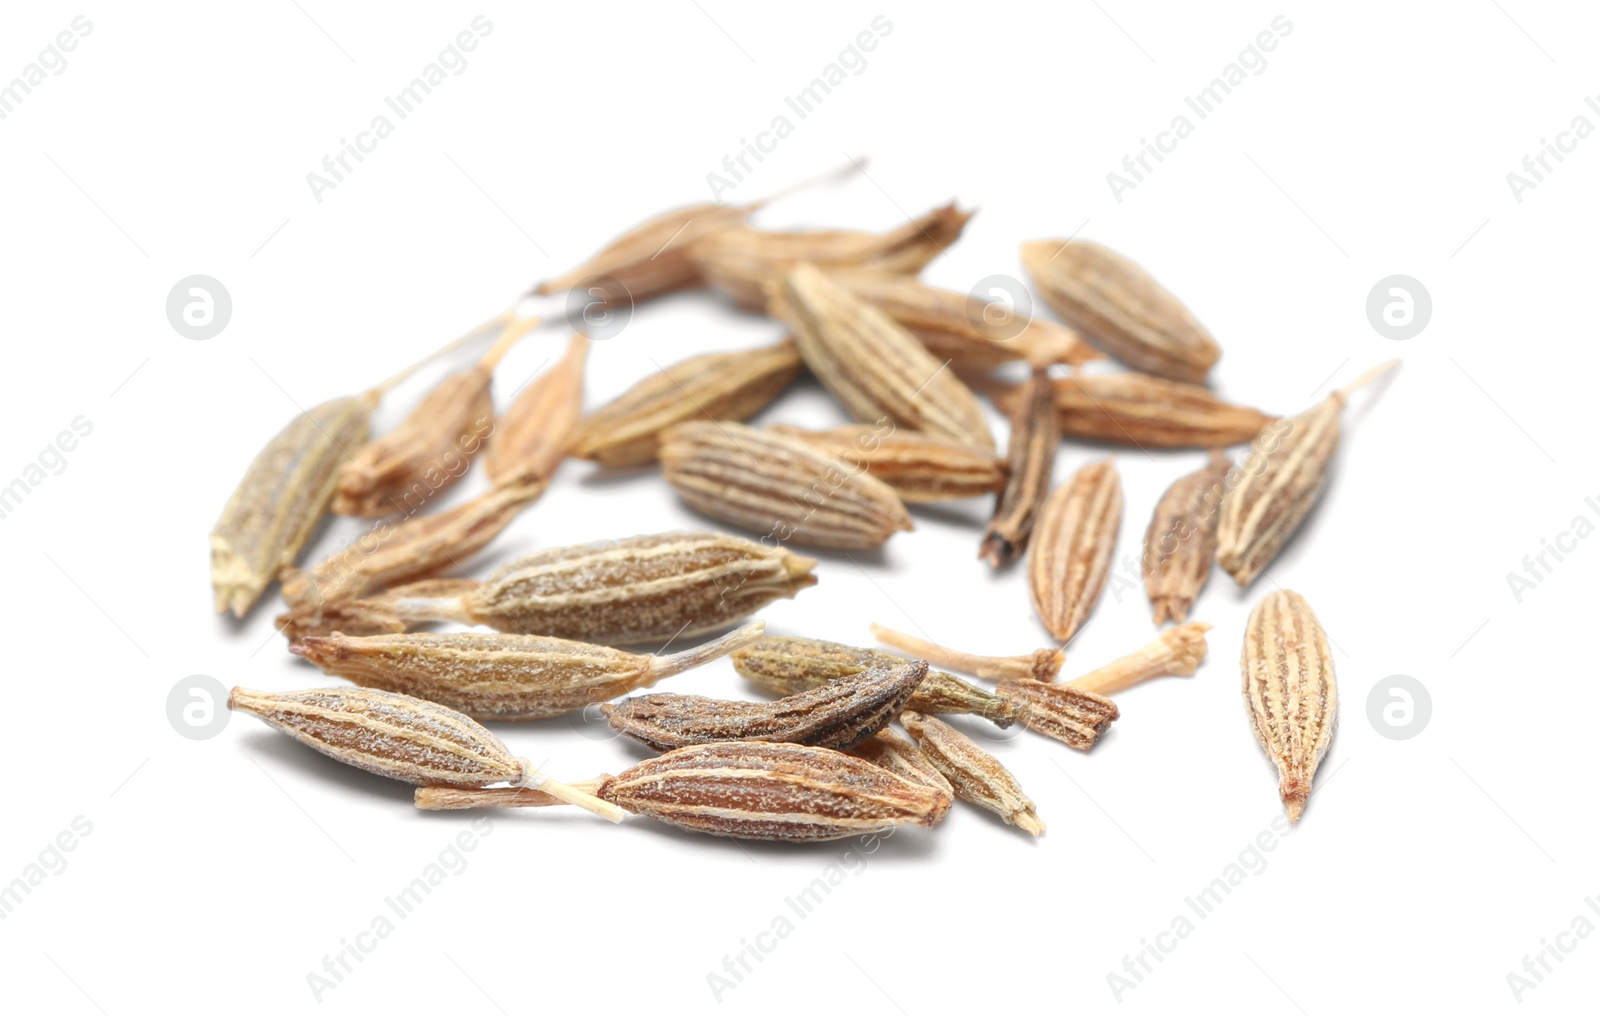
(717, 386)
(964, 329)
(976, 776)
(1181, 539)
(894, 751)
(537, 430)
(921, 468)
(1039, 665)
(622, 592)
(650, 259)
(1146, 412)
(1030, 457)
(778, 486)
(499, 677)
(1120, 308)
(1273, 488)
(1289, 692)
(876, 368)
(838, 715)
(743, 262)
(434, 447)
(1072, 546)
(371, 615)
(283, 496)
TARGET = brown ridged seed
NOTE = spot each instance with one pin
(789, 666)
(743, 262)
(537, 430)
(434, 447)
(894, 751)
(420, 546)
(876, 368)
(976, 776)
(1120, 308)
(282, 497)
(1030, 457)
(718, 386)
(1146, 412)
(1072, 545)
(624, 592)
(372, 615)
(651, 258)
(836, 715)
(1289, 692)
(921, 468)
(502, 677)
(1277, 483)
(963, 329)
(1070, 715)
(1181, 539)
(766, 791)
(778, 486)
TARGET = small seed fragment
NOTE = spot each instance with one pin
(1181, 539)
(1072, 545)
(1073, 716)
(537, 430)
(717, 386)
(1120, 308)
(778, 486)
(504, 677)
(1039, 665)
(876, 368)
(1146, 412)
(976, 776)
(897, 753)
(1289, 692)
(836, 715)
(921, 468)
(1030, 457)
(624, 592)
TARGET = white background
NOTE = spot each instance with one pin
(220, 873)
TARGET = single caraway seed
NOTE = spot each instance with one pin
(1289, 692)
(624, 592)
(651, 258)
(789, 666)
(434, 447)
(537, 430)
(1039, 665)
(423, 545)
(921, 468)
(403, 738)
(744, 262)
(900, 755)
(876, 368)
(372, 615)
(964, 329)
(717, 386)
(976, 776)
(1181, 539)
(1270, 491)
(1072, 545)
(838, 714)
(748, 789)
(1030, 456)
(1146, 412)
(1120, 308)
(778, 486)
(491, 676)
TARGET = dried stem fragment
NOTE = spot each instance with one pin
(1176, 652)
(1278, 482)
(976, 776)
(1039, 665)
(1145, 412)
(717, 386)
(921, 468)
(1030, 457)
(838, 714)
(504, 677)
(537, 431)
(623, 592)
(1072, 545)
(778, 486)
(1289, 692)
(1181, 539)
